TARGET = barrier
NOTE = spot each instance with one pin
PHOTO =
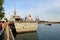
(8, 34)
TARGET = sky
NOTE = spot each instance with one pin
(48, 10)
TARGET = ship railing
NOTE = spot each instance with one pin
(25, 22)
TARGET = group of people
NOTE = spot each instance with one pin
(3, 25)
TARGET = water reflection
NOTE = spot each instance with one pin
(27, 36)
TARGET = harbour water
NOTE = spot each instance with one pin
(44, 32)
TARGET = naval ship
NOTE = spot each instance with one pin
(23, 25)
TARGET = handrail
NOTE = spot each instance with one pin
(2, 30)
(8, 33)
(11, 34)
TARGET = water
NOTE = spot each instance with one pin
(44, 32)
(27, 36)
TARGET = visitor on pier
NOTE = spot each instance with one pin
(0, 25)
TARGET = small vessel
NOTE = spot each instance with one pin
(48, 24)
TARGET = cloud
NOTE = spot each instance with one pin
(45, 9)
(49, 10)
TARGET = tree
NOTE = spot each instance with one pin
(1, 9)
(6, 19)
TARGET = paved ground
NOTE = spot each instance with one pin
(2, 36)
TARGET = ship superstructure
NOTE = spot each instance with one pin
(23, 25)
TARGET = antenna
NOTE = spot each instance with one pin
(15, 11)
(15, 8)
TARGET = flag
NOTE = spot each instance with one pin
(30, 17)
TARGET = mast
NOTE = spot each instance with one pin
(15, 12)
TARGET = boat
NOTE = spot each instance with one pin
(48, 24)
(23, 25)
